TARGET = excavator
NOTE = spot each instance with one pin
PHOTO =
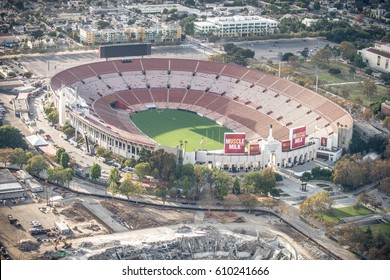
(61, 239)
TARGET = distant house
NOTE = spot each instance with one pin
(377, 57)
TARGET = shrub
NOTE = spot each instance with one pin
(368, 71)
(334, 71)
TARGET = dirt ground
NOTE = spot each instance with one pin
(78, 219)
(139, 216)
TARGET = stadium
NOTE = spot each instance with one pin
(257, 120)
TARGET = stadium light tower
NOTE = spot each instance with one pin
(77, 122)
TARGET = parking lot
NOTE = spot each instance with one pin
(35, 214)
(50, 64)
(270, 49)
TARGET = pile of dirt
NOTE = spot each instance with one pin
(219, 215)
(133, 218)
(74, 212)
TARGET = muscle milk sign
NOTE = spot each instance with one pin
(234, 143)
(298, 137)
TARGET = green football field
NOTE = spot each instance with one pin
(168, 127)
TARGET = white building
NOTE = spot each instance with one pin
(237, 26)
(377, 57)
(159, 9)
(308, 21)
(154, 34)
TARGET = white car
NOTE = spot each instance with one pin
(35, 223)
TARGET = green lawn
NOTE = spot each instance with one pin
(355, 91)
(168, 127)
(344, 212)
(309, 68)
(380, 228)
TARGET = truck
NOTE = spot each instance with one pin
(14, 222)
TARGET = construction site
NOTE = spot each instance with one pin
(85, 227)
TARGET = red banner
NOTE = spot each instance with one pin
(324, 141)
(298, 137)
(254, 149)
(286, 146)
(234, 143)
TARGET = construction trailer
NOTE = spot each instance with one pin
(62, 228)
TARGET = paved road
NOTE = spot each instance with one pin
(103, 214)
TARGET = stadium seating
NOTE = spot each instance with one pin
(240, 98)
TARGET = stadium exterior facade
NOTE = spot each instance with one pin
(290, 123)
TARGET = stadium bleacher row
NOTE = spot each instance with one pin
(242, 99)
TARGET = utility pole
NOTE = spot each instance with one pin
(317, 70)
(76, 119)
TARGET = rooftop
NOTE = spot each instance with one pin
(379, 52)
(6, 177)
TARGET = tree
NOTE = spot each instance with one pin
(131, 162)
(385, 78)
(60, 174)
(316, 5)
(368, 199)
(305, 53)
(144, 155)
(348, 173)
(369, 88)
(286, 56)
(322, 57)
(348, 50)
(102, 152)
(164, 163)
(267, 181)
(236, 186)
(142, 169)
(306, 176)
(5, 155)
(95, 172)
(28, 74)
(251, 182)
(358, 61)
(368, 71)
(19, 157)
(334, 71)
(318, 204)
(36, 164)
(230, 201)
(68, 130)
(221, 181)
(114, 175)
(202, 176)
(113, 188)
(64, 161)
(59, 152)
(10, 137)
(162, 193)
(53, 117)
(249, 201)
(130, 188)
